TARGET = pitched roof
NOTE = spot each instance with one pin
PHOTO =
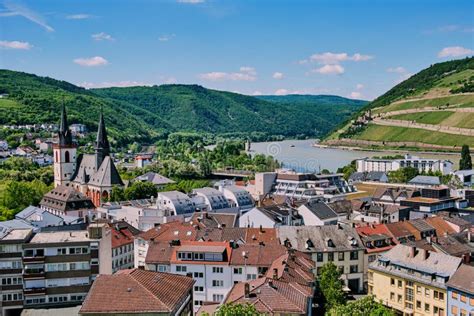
(425, 180)
(380, 231)
(214, 220)
(135, 291)
(318, 238)
(272, 296)
(434, 263)
(106, 175)
(320, 209)
(293, 266)
(256, 255)
(154, 178)
(66, 198)
(463, 279)
(400, 229)
(441, 226)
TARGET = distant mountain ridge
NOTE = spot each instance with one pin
(145, 113)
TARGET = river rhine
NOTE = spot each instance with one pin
(301, 156)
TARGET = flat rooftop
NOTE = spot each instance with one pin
(60, 236)
(16, 234)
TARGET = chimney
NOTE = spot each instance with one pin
(247, 290)
(261, 229)
(270, 283)
(275, 273)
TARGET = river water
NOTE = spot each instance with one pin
(302, 156)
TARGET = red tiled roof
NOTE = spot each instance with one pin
(137, 291)
(121, 237)
(273, 296)
(441, 226)
(293, 267)
(257, 255)
(375, 229)
(266, 235)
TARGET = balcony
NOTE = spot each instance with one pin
(11, 287)
(33, 274)
(35, 259)
(35, 291)
(11, 303)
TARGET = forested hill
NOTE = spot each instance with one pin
(144, 113)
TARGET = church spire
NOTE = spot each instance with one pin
(65, 137)
(102, 148)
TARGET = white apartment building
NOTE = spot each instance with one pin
(11, 267)
(422, 164)
(176, 202)
(215, 266)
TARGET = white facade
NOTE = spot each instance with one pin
(177, 202)
(236, 196)
(422, 164)
(256, 218)
(64, 164)
(123, 257)
(312, 219)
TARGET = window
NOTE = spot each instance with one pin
(198, 256)
(199, 289)
(427, 308)
(354, 268)
(418, 289)
(161, 268)
(330, 256)
(198, 274)
(197, 303)
(217, 297)
(319, 257)
(427, 292)
(463, 298)
(408, 305)
(399, 284)
(340, 256)
(471, 301)
(237, 270)
(217, 270)
(181, 269)
(409, 294)
(418, 305)
(463, 312)
(392, 282)
(399, 298)
(217, 283)
(341, 269)
(454, 310)
(392, 296)
(354, 255)
(251, 276)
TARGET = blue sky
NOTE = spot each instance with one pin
(354, 49)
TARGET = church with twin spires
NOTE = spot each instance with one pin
(94, 175)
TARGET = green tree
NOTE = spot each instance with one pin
(140, 190)
(366, 306)
(19, 194)
(466, 162)
(403, 175)
(236, 310)
(331, 285)
(348, 169)
(117, 194)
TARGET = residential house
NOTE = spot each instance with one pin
(371, 176)
(236, 196)
(139, 292)
(317, 213)
(41, 218)
(64, 200)
(465, 176)
(461, 291)
(423, 181)
(176, 202)
(393, 195)
(412, 281)
(122, 245)
(271, 216)
(333, 243)
(434, 200)
(401, 231)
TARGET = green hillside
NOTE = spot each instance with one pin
(143, 114)
(433, 107)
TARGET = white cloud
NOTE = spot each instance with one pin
(15, 45)
(245, 74)
(80, 16)
(102, 37)
(329, 58)
(191, 1)
(257, 92)
(91, 62)
(166, 37)
(398, 70)
(330, 70)
(359, 86)
(355, 95)
(455, 51)
(281, 92)
(277, 75)
(15, 9)
(107, 84)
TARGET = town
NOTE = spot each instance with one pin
(279, 242)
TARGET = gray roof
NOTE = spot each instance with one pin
(66, 198)
(463, 279)
(344, 238)
(436, 263)
(320, 209)
(88, 173)
(422, 225)
(426, 180)
(154, 178)
(367, 176)
(28, 212)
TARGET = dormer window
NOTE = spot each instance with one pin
(330, 243)
(309, 244)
